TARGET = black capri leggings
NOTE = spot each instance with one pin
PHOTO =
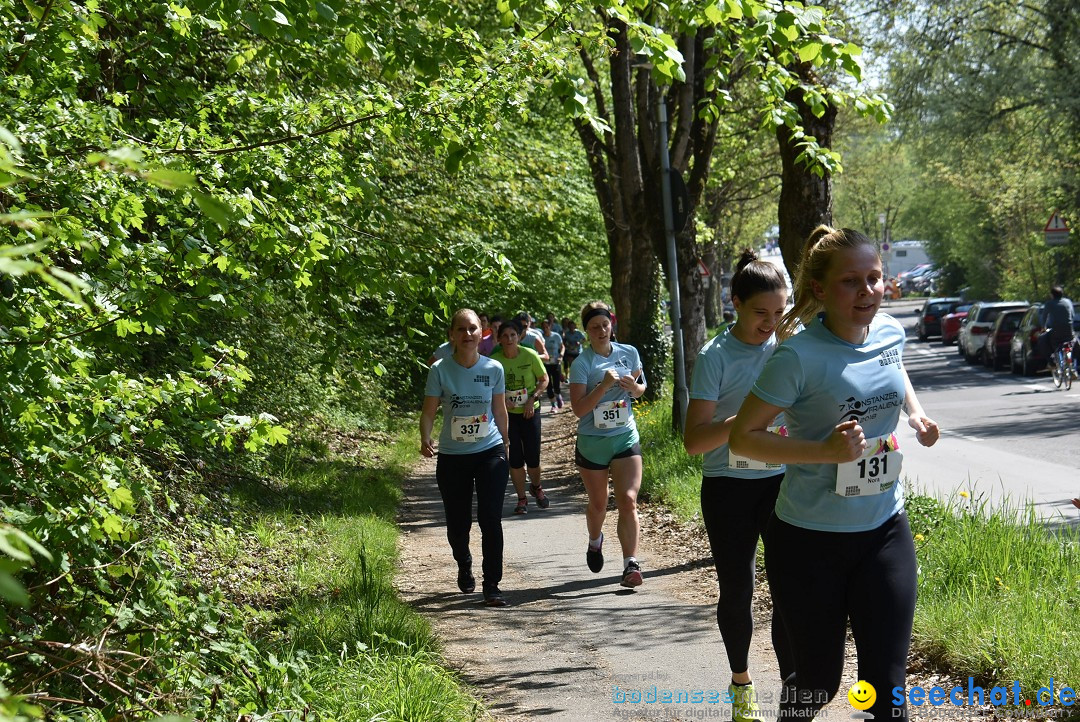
(821, 579)
(554, 378)
(736, 512)
(524, 440)
(567, 362)
(456, 475)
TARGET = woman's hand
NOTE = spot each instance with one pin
(846, 442)
(926, 429)
(530, 408)
(427, 448)
(611, 377)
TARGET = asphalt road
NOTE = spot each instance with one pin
(1005, 439)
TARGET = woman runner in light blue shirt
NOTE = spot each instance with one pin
(738, 494)
(838, 546)
(472, 450)
(604, 380)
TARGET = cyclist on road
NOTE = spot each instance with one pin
(1057, 318)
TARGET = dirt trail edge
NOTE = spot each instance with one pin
(574, 645)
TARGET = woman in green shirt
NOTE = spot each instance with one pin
(526, 380)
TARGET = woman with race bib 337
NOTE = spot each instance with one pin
(604, 381)
(838, 546)
(472, 450)
(738, 494)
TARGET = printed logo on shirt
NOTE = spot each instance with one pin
(867, 409)
(889, 357)
(459, 401)
(482, 379)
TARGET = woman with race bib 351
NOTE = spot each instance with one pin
(738, 494)
(472, 450)
(604, 380)
(838, 546)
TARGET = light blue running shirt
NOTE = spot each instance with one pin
(443, 351)
(553, 343)
(724, 371)
(590, 367)
(466, 393)
(823, 380)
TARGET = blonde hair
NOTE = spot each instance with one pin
(454, 319)
(823, 242)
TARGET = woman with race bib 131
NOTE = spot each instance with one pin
(604, 380)
(838, 546)
(472, 450)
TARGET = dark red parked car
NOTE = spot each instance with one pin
(950, 323)
(999, 339)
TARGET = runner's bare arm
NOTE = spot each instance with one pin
(427, 423)
(541, 350)
(630, 384)
(583, 403)
(502, 421)
(926, 429)
(750, 437)
(702, 433)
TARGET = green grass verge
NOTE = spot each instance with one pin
(326, 548)
(669, 474)
(998, 591)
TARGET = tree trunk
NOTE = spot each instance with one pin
(713, 312)
(805, 197)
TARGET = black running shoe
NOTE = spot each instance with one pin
(493, 597)
(631, 576)
(465, 581)
(595, 557)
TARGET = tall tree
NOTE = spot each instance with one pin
(691, 55)
(987, 100)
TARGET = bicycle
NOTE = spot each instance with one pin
(1063, 368)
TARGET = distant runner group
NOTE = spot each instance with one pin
(795, 410)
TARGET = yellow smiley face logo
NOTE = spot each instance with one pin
(862, 695)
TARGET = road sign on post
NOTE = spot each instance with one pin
(1056, 232)
(703, 271)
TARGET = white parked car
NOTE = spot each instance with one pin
(977, 325)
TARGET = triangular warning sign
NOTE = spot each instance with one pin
(1056, 223)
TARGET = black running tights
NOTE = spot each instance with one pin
(456, 475)
(819, 580)
(736, 512)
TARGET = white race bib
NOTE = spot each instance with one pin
(875, 472)
(741, 462)
(517, 398)
(611, 414)
(469, 428)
